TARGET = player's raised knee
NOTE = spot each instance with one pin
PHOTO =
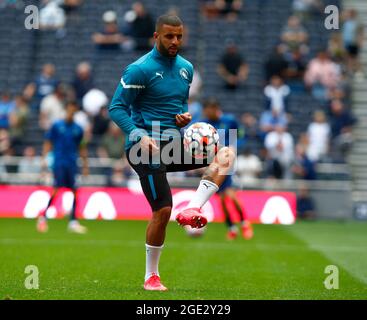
(226, 157)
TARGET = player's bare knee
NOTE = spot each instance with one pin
(225, 157)
(230, 154)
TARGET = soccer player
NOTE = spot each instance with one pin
(65, 138)
(223, 123)
(150, 106)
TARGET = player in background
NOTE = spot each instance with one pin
(65, 140)
(223, 123)
(154, 90)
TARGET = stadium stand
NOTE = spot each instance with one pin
(256, 32)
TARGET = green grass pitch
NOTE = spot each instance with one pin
(280, 262)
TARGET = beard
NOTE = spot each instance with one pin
(166, 51)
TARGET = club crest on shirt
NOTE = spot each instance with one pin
(184, 73)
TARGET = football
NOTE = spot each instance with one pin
(201, 140)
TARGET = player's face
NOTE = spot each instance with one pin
(211, 113)
(70, 111)
(169, 39)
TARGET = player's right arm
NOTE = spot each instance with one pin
(132, 84)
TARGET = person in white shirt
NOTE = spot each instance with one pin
(196, 85)
(276, 94)
(248, 168)
(318, 133)
(280, 148)
(52, 17)
(52, 107)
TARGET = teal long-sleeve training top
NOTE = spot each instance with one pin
(152, 90)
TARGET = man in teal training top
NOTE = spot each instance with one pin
(150, 107)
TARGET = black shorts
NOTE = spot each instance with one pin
(153, 172)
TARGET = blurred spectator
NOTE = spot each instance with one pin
(341, 122)
(29, 162)
(7, 105)
(140, 26)
(249, 132)
(110, 38)
(229, 9)
(280, 153)
(93, 101)
(306, 8)
(276, 95)
(352, 34)
(83, 80)
(5, 145)
(70, 6)
(250, 125)
(101, 122)
(336, 48)
(195, 108)
(43, 85)
(305, 204)
(303, 140)
(270, 120)
(322, 75)
(337, 94)
(232, 68)
(196, 85)
(248, 168)
(276, 64)
(119, 175)
(303, 168)
(294, 36)
(112, 143)
(52, 107)
(295, 71)
(318, 133)
(14, 4)
(18, 120)
(82, 119)
(51, 16)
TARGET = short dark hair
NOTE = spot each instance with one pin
(211, 102)
(169, 19)
(73, 103)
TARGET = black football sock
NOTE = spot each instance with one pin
(73, 211)
(229, 222)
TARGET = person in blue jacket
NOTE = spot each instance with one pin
(65, 140)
